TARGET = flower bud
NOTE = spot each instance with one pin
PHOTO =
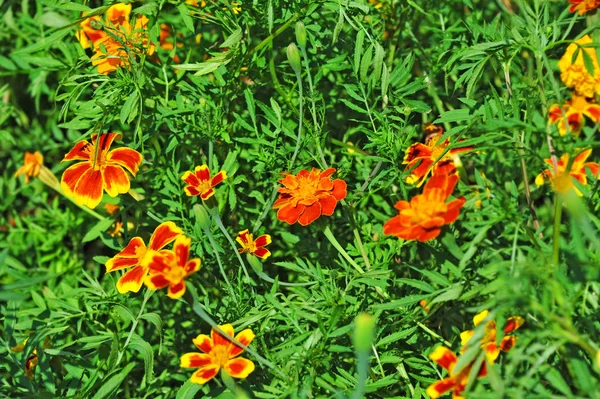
(202, 216)
(363, 333)
(301, 34)
(293, 55)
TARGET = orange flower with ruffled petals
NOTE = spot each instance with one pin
(577, 171)
(574, 73)
(572, 113)
(488, 342)
(583, 6)
(102, 170)
(252, 246)
(219, 352)
(92, 30)
(199, 182)
(170, 268)
(455, 382)
(136, 256)
(308, 195)
(423, 159)
(423, 217)
(31, 165)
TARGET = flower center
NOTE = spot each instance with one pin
(307, 188)
(220, 355)
(204, 186)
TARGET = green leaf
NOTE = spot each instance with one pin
(139, 344)
(185, 15)
(188, 390)
(130, 108)
(358, 48)
(97, 230)
(111, 384)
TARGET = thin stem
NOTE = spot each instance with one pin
(556, 232)
(341, 250)
(213, 244)
(300, 121)
(147, 296)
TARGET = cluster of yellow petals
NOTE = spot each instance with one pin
(573, 70)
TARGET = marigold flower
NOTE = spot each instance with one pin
(86, 181)
(488, 342)
(308, 195)
(137, 256)
(170, 268)
(576, 172)
(219, 352)
(112, 209)
(583, 6)
(572, 112)
(32, 360)
(455, 382)
(421, 159)
(91, 30)
(575, 74)
(252, 246)
(200, 183)
(31, 165)
(423, 217)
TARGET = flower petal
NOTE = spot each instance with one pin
(164, 234)
(204, 343)
(328, 205)
(439, 388)
(181, 247)
(263, 240)
(132, 280)
(205, 374)
(290, 213)
(191, 191)
(444, 357)
(262, 253)
(339, 189)
(192, 266)
(239, 368)
(176, 290)
(156, 281)
(202, 173)
(513, 323)
(115, 180)
(89, 188)
(118, 263)
(71, 176)
(219, 177)
(190, 179)
(81, 152)
(195, 360)
(127, 158)
(218, 339)
(207, 194)
(105, 141)
(310, 214)
(244, 337)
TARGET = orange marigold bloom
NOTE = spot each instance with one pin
(421, 159)
(423, 217)
(92, 29)
(200, 183)
(575, 74)
(488, 342)
(308, 195)
(112, 209)
(137, 256)
(583, 6)
(219, 352)
(455, 382)
(252, 246)
(572, 112)
(101, 170)
(170, 268)
(31, 165)
(577, 171)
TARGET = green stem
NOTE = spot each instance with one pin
(300, 121)
(556, 232)
(213, 244)
(147, 296)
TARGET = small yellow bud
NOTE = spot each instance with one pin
(293, 55)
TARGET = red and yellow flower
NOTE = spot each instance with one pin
(252, 246)
(101, 170)
(92, 30)
(137, 257)
(199, 182)
(32, 361)
(31, 165)
(170, 268)
(455, 382)
(575, 74)
(308, 195)
(422, 159)
(572, 113)
(577, 171)
(424, 216)
(583, 6)
(488, 342)
(219, 352)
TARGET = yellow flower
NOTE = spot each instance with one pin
(575, 74)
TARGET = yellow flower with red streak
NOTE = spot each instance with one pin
(219, 352)
(137, 257)
(456, 381)
(102, 170)
(252, 246)
(423, 159)
(583, 6)
(424, 216)
(199, 182)
(308, 195)
(32, 361)
(170, 268)
(31, 165)
(572, 113)
(114, 39)
(488, 342)
(575, 74)
(577, 171)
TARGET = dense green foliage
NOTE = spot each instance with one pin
(372, 76)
